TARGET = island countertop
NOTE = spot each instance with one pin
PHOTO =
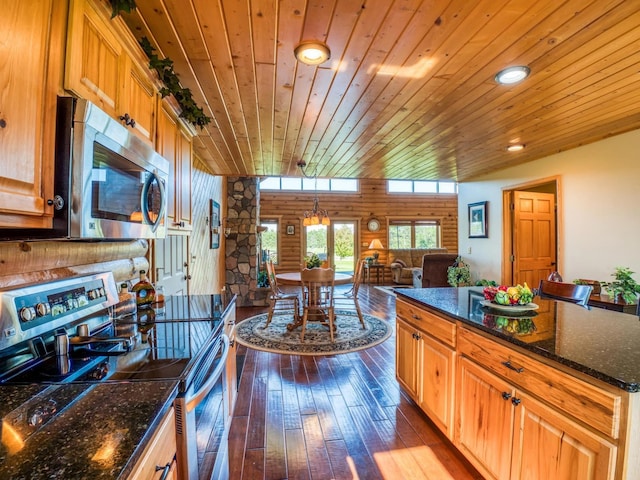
(600, 343)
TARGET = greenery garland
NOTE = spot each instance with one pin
(118, 6)
(190, 110)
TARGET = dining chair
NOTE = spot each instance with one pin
(568, 292)
(348, 301)
(317, 298)
(279, 300)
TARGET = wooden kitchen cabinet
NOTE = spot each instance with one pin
(31, 41)
(426, 362)
(407, 357)
(507, 433)
(107, 70)
(160, 453)
(174, 142)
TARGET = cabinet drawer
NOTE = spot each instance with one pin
(594, 406)
(160, 451)
(440, 328)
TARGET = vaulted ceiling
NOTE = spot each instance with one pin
(409, 90)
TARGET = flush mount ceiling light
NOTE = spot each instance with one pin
(312, 52)
(516, 147)
(512, 75)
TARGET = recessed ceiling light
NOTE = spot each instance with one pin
(516, 147)
(512, 75)
(312, 52)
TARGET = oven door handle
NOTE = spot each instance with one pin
(194, 400)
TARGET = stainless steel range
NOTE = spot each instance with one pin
(63, 332)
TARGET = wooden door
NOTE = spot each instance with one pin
(550, 446)
(170, 263)
(436, 382)
(485, 420)
(139, 100)
(407, 358)
(29, 32)
(534, 237)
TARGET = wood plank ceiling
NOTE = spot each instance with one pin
(409, 91)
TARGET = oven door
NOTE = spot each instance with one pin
(203, 417)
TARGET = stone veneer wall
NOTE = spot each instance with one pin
(241, 255)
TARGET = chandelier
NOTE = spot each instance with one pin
(317, 215)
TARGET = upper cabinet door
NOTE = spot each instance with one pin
(94, 58)
(101, 69)
(31, 39)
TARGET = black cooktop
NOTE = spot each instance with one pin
(165, 340)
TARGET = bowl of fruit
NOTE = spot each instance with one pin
(514, 299)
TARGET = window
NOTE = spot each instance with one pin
(310, 184)
(270, 240)
(414, 233)
(421, 186)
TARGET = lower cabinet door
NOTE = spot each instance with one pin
(485, 414)
(407, 358)
(550, 446)
(437, 382)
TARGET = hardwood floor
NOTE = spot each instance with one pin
(335, 417)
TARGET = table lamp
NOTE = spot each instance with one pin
(375, 245)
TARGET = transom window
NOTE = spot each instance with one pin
(421, 186)
(310, 184)
(421, 233)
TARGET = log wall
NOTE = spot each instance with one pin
(372, 201)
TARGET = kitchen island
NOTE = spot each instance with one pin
(548, 394)
(108, 427)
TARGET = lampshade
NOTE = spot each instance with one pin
(312, 52)
(375, 244)
(316, 216)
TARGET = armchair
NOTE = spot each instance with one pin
(434, 270)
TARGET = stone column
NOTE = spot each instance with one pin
(241, 255)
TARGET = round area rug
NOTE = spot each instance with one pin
(348, 337)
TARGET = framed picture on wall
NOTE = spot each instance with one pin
(291, 229)
(478, 220)
(214, 223)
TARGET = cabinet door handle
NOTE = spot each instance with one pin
(416, 317)
(515, 369)
(515, 401)
(126, 118)
(506, 395)
(166, 470)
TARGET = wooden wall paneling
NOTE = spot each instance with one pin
(371, 201)
(207, 265)
(30, 262)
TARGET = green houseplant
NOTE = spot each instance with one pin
(312, 261)
(624, 286)
(458, 274)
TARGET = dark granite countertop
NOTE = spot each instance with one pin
(97, 430)
(95, 436)
(601, 343)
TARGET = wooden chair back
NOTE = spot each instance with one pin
(357, 278)
(271, 275)
(317, 287)
(568, 292)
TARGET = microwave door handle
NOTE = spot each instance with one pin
(194, 400)
(144, 201)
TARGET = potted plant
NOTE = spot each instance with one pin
(458, 275)
(312, 261)
(623, 287)
(597, 286)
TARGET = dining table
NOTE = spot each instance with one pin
(294, 278)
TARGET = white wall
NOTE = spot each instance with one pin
(599, 210)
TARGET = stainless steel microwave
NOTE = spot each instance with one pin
(108, 184)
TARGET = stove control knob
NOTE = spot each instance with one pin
(101, 371)
(93, 294)
(27, 314)
(43, 309)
